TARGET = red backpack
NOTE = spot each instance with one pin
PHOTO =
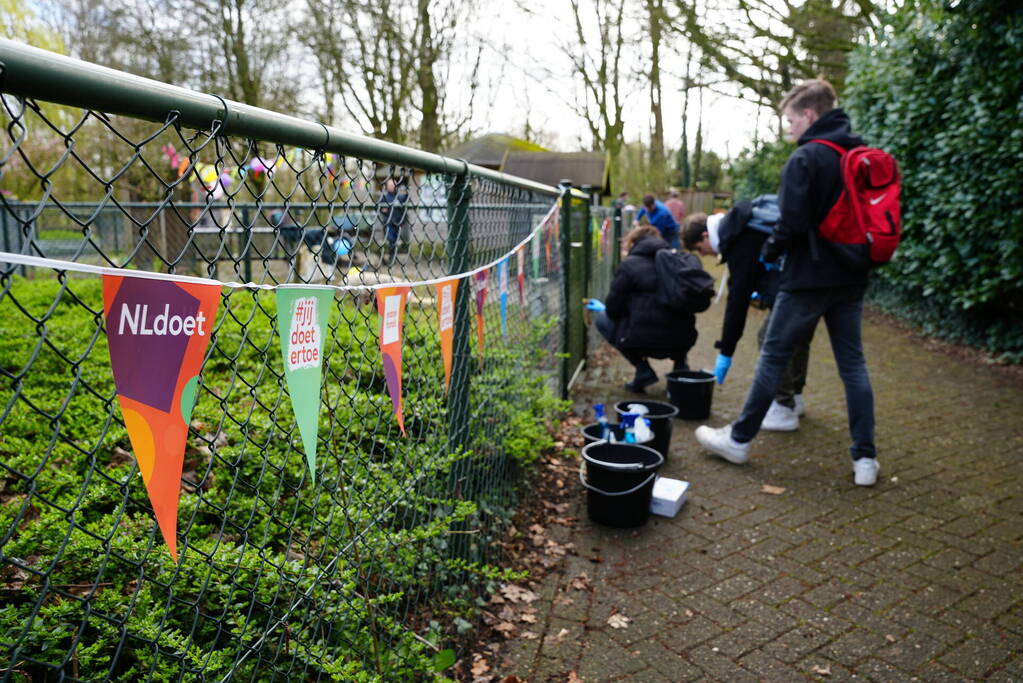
(865, 222)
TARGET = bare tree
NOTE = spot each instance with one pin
(656, 20)
(598, 64)
(776, 43)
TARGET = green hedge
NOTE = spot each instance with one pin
(941, 90)
(757, 170)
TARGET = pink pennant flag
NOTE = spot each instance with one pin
(520, 254)
(481, 296)
(391, 307)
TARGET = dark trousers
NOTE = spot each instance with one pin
(793, 379)
(637, 357)
(794, 317)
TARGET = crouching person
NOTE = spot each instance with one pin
(633, 320)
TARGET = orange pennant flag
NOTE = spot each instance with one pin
(157, 333)
(391, 307)
(446, 292)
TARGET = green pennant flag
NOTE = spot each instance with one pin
(302, 314)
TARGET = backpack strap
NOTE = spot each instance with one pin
(828, 143)
(841, 153)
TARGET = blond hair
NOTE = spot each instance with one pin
(817, 95)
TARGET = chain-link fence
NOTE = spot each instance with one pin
(372, 566)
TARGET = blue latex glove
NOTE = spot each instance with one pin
(769, 265)
(595, 305)
(721, 367)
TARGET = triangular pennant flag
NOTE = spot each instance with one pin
(502, 291)
(480, 282)
(302, 314)
(391, 307)
(157, 333)
(605, 230)
(446, 292)
(547, 244)
(536, 255)
(520, 276)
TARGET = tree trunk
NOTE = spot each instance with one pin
(655, 15)
(429, 130)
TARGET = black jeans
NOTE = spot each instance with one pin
(637, 357)
(794, 317)
(794, 378)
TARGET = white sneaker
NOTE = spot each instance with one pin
(720, 442)
(780, 419)
(865, 471)
(800, 405)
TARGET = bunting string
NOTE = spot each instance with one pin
(58, 264)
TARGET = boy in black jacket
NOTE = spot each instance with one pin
(813, 283)
(739, 247)
(634, 322)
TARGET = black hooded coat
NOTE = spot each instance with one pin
(641, 323)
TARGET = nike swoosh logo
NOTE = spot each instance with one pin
(875, 202)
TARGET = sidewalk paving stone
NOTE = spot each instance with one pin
(919, 577)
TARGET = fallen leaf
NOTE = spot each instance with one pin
(529, 635)
(528, 618)
(512, 679)
(890, 638)
(506, 613)
(821, 670)
(517, 593)
(537, 529)
(688, 612)
(773, 490)
(506, 628)
(618, 621)
(573, 677)
(558, 638)
(479, 667)
(580, 583)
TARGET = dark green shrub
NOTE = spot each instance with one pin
(757, 170)
(941, 90)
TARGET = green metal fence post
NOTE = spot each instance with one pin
(587, 255)
(566, 283)
(459, 232)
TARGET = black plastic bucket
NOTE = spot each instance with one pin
(591, 433)
(619, 482)
(660, 415)
(691, 391)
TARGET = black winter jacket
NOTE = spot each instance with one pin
(811, 183)
(740, 249)
(641, 322)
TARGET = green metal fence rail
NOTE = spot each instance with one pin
(372, 568)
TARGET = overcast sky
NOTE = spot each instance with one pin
(526, 42)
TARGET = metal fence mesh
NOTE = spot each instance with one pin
(368, 569)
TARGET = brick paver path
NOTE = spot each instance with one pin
(919, 577)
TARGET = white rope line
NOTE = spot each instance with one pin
(57, 264)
